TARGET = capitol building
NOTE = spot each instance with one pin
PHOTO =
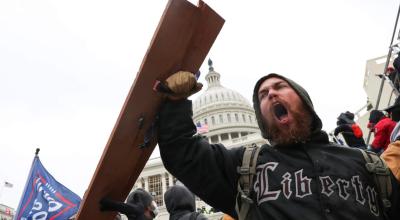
(226, 117)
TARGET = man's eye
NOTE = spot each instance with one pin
(280, 86)
(262, 95)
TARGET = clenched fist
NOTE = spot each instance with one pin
(183, 84)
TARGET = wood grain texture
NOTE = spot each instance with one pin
(181, 41)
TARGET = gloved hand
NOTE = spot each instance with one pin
(182, 84)
(107, 204)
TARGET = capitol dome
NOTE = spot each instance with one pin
(231, 121)
(227, 113)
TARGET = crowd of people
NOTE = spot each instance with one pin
(381, 122)
(140, 205)
(299, 174)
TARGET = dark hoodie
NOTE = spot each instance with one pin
(140, 196)
(181, 204)
(350, 131)
(134, 206)
(309, 180)
(316, 124)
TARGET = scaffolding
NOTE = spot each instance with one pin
(394, 48)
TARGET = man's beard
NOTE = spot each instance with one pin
(297, 132)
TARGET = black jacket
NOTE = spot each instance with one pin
(349, 137)
(313, 180)
(353, 138)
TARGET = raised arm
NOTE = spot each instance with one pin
(208, 170)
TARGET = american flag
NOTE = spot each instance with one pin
(202, 128)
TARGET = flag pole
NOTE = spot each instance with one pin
(44, 196)
(26, 184)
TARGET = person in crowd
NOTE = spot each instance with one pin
(392, 153)
(396, 63)
(393, 73)
(139, 205)
(394, 110)
(382, 127)
(350, 131)
(181, 204)
(299, 175)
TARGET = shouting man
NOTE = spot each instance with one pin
(300, 175)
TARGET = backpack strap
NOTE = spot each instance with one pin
(245, 182)
(381, 175)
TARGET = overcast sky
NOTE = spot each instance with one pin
(66, 68)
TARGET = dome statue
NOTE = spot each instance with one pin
(225, 112)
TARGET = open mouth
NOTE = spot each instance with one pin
(280, 112)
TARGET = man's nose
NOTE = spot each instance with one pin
(272, 93)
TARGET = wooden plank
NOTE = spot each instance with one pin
(181, 41)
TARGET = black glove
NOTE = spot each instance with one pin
(132, 211)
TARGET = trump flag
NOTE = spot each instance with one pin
(45, 198)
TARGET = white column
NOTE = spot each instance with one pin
(146, 183)
(170, 180)
(164, 184)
